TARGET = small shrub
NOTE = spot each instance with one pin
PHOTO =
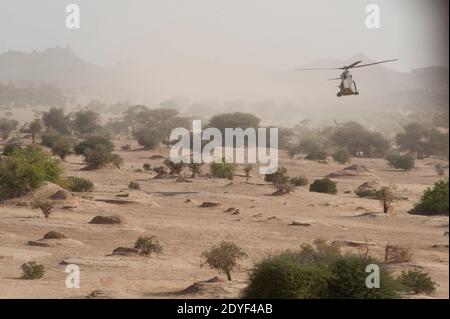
(134, 185)
(417, 282)
(77, 184)
(63, 147)
(434, 201)
(32, 270)
(92, 142)
(126, 147)
(271, 177)
(195, 168)
(146, 166)
(99, 156)
(367, 190)
(324, 185)
(387, 197)
(247, 169)
(46, 207)
(317, 155)
(405, 162)
(299, 181)
(148, 246)
(148, 138)
(224, 257)
(49, 137)
(397, 254)
(439, 168)
(174, 168)
(342, 156)
(160, 170)
(222, 169)
(281, 182)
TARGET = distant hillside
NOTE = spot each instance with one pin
(58, 67)
(282, 95)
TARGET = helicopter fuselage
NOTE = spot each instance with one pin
(347, 86)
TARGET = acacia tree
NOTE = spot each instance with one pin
(422, 140)
(86, 122)
(35, 128)
(224, 257)
(56, 119)
(6, 127)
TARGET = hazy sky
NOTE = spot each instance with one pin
(273, 34)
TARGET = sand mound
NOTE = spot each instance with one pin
(21, 254)
(46, 190)
(350, 171)
(102, 294)
(43, 242)
(61, 194)
(54, 235)
(300, 223)
(107, 220)
(353, 243)
(125, 251)
(210, 204)
(213, 285)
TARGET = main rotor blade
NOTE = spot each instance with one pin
(334, 79)
(352, 65)
(363, 65)
(315, 69)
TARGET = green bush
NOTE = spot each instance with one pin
(317, 155)
(224, 257)
(317, 271)
(63, 146)
(10, 148)
(90, 143)
(32, 270)
(77, 184)
(49, 137)
(342, 156)
(274, 176)
(25, 170)
(417, 282)
(434, 201)
(134, 185)
(148, 246)
(148, 138)
(299, 181)
(324, 185)
(222, 170)
(281, 182)
(405, 162)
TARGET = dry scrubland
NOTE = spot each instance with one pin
(169, 209)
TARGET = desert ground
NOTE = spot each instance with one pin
(169, 209)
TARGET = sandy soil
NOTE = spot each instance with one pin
(168, 209)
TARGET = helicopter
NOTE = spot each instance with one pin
(347, 85)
